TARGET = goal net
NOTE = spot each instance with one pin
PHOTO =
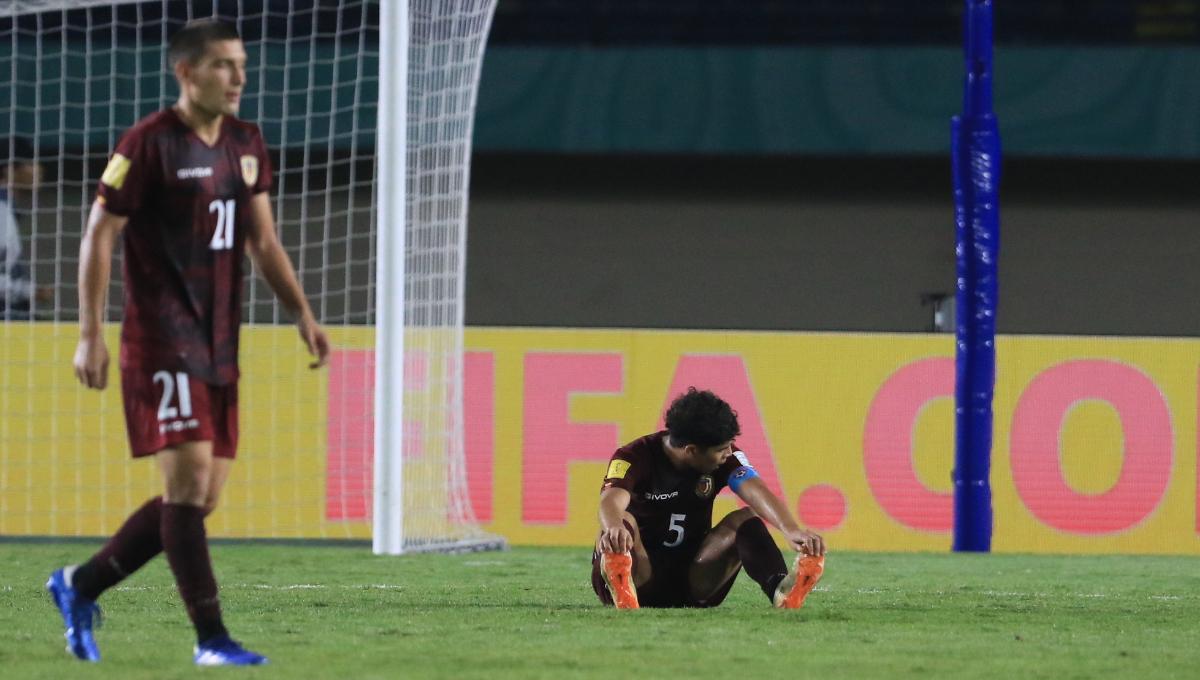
(77, 75)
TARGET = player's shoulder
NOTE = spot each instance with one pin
(152, 125)
(243, 131)
(733, 463)
(739, 457)
(638, 456)
(643, 447)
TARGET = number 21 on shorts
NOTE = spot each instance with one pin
(171, 385)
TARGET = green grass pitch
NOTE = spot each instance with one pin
(340, 612)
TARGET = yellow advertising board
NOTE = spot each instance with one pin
(1095, 439)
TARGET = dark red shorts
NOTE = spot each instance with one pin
(668, 584)
(166, 408)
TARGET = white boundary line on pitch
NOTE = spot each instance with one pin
(267, 586)
(819, 589)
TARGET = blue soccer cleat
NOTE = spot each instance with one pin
(77, 612)
(225, 651)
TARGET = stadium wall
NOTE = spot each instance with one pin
(1094, 102)
(1090, 247)
(824, 244)
(1052, 101)
(1096, 438)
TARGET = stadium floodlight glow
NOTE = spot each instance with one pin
(370, 197)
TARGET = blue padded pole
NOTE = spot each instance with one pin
(975, 150)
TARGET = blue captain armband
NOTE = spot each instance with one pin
(739, 477)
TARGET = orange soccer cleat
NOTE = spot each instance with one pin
(797, 585)
(618, 574)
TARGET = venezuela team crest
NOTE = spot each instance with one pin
(704, 487)
(249, 169)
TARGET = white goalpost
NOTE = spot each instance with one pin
(362, 103)
(429, 77)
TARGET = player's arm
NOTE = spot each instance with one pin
(269, 257)
(95, 268)
(768, 506)
(614, 537)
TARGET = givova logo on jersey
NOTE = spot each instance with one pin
(651, 496)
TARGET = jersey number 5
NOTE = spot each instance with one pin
(223, 236)
(675, 527)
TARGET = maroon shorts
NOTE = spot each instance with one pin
(668, 585)
(166, 408)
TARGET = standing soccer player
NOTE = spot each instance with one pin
(657, 545)
(187, 189)
(18, 170)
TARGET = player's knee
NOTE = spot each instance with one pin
(210, 506)
(188, 490)
(739, 517)
(632, 525)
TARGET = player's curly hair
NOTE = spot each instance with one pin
(190, 42)
(702, 418)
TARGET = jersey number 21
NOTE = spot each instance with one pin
(223, 236)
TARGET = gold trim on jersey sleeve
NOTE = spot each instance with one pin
(114, 174)
(617, 469)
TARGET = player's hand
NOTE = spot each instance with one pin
(91, 362)
(615, 540)
(315, 339)
(806, 542)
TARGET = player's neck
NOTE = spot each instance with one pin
(207, 126)
(678, 457)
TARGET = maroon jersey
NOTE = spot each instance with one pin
(673, 507)
(188, 206)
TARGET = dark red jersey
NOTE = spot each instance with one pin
(188, 206)
(673, 507)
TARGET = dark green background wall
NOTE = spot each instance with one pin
(1135, 102)
(786, 188)
(1088, 102)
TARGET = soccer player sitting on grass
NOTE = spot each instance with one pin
(187, 190)
(657, 545)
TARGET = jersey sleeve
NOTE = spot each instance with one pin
(265, 171)
(124, 182)
(624, 471)
(731, 464)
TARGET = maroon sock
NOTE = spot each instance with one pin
(186, 545)
(760, 556)
(135, 543)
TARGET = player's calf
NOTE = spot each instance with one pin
(617, 569)
(79, 615)
(796, 586)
